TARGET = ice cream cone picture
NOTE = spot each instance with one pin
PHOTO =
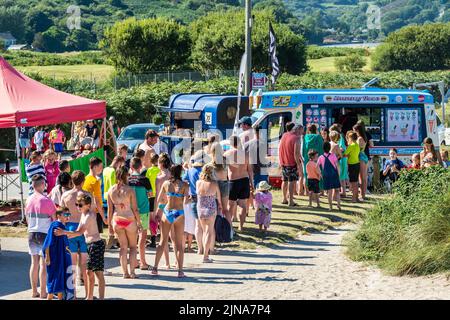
(413, 130)
(394, 131)
(430, 125)
(404, 130)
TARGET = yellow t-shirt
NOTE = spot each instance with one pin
(93, 186)
(151, 175)
(353, 153)
(109, 179)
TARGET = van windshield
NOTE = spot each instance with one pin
(257, 115)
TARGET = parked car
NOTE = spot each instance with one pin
(134, 134)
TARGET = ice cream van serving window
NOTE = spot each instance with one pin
(403, 125)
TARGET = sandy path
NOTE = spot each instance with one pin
(311, 268)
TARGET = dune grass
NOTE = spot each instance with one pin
(408, 233)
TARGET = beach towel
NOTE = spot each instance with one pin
(59, 272)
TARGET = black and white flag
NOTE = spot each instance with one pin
(273, 55)
(241, 89)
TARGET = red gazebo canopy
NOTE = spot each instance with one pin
(27, 102)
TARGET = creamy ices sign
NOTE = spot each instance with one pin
(360, 98)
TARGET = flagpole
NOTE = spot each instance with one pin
(248, 45)
(270, 63)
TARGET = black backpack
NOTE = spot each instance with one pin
(223, 230)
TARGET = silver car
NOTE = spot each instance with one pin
(134, 134)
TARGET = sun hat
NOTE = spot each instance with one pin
(263, 186)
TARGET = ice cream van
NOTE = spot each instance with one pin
(394, 117)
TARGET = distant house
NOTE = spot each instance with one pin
(7, 39)
(330, 40)
(19, 47)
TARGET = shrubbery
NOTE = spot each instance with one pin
(351, 63)
(31, 58)
(418, 48)
(408, 233)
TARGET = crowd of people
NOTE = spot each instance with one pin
(329, 161)
(147, 196)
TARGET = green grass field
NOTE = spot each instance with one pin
(327, 65)
(84, 71)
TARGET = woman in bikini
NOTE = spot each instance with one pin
(175, 193)
(164, 175)
(125, 221)
(208, 204)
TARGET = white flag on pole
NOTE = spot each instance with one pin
(241, 89)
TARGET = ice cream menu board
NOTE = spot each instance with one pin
(403, 125)
(317, 116)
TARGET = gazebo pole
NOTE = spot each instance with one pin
(22, 211)
(104, 140)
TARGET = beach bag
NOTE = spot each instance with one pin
(223, 230)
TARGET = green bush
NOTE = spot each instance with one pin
(418, 48)
(219, 42)
(350, 63)
(157, 44)
(408, 233)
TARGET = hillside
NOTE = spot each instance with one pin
(44, 23)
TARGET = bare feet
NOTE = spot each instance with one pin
(134, 276)
(126, 276)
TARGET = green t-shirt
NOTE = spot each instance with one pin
(353, 153)
(151, 175)
(109, 179)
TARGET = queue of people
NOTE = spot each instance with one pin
(148, 195)
(145, 196)
(329, 162)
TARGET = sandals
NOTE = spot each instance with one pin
(154, 271)
(181, 274)
(293, 205)
(207, 260)
(134, 276)
(284, 202)
(126, 276)
(147, 267)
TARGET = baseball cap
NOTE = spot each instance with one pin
(246, 120)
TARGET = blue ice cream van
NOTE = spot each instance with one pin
(394, 117)
(194, 116)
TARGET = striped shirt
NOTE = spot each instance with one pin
(39, 212)
(34, 169)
